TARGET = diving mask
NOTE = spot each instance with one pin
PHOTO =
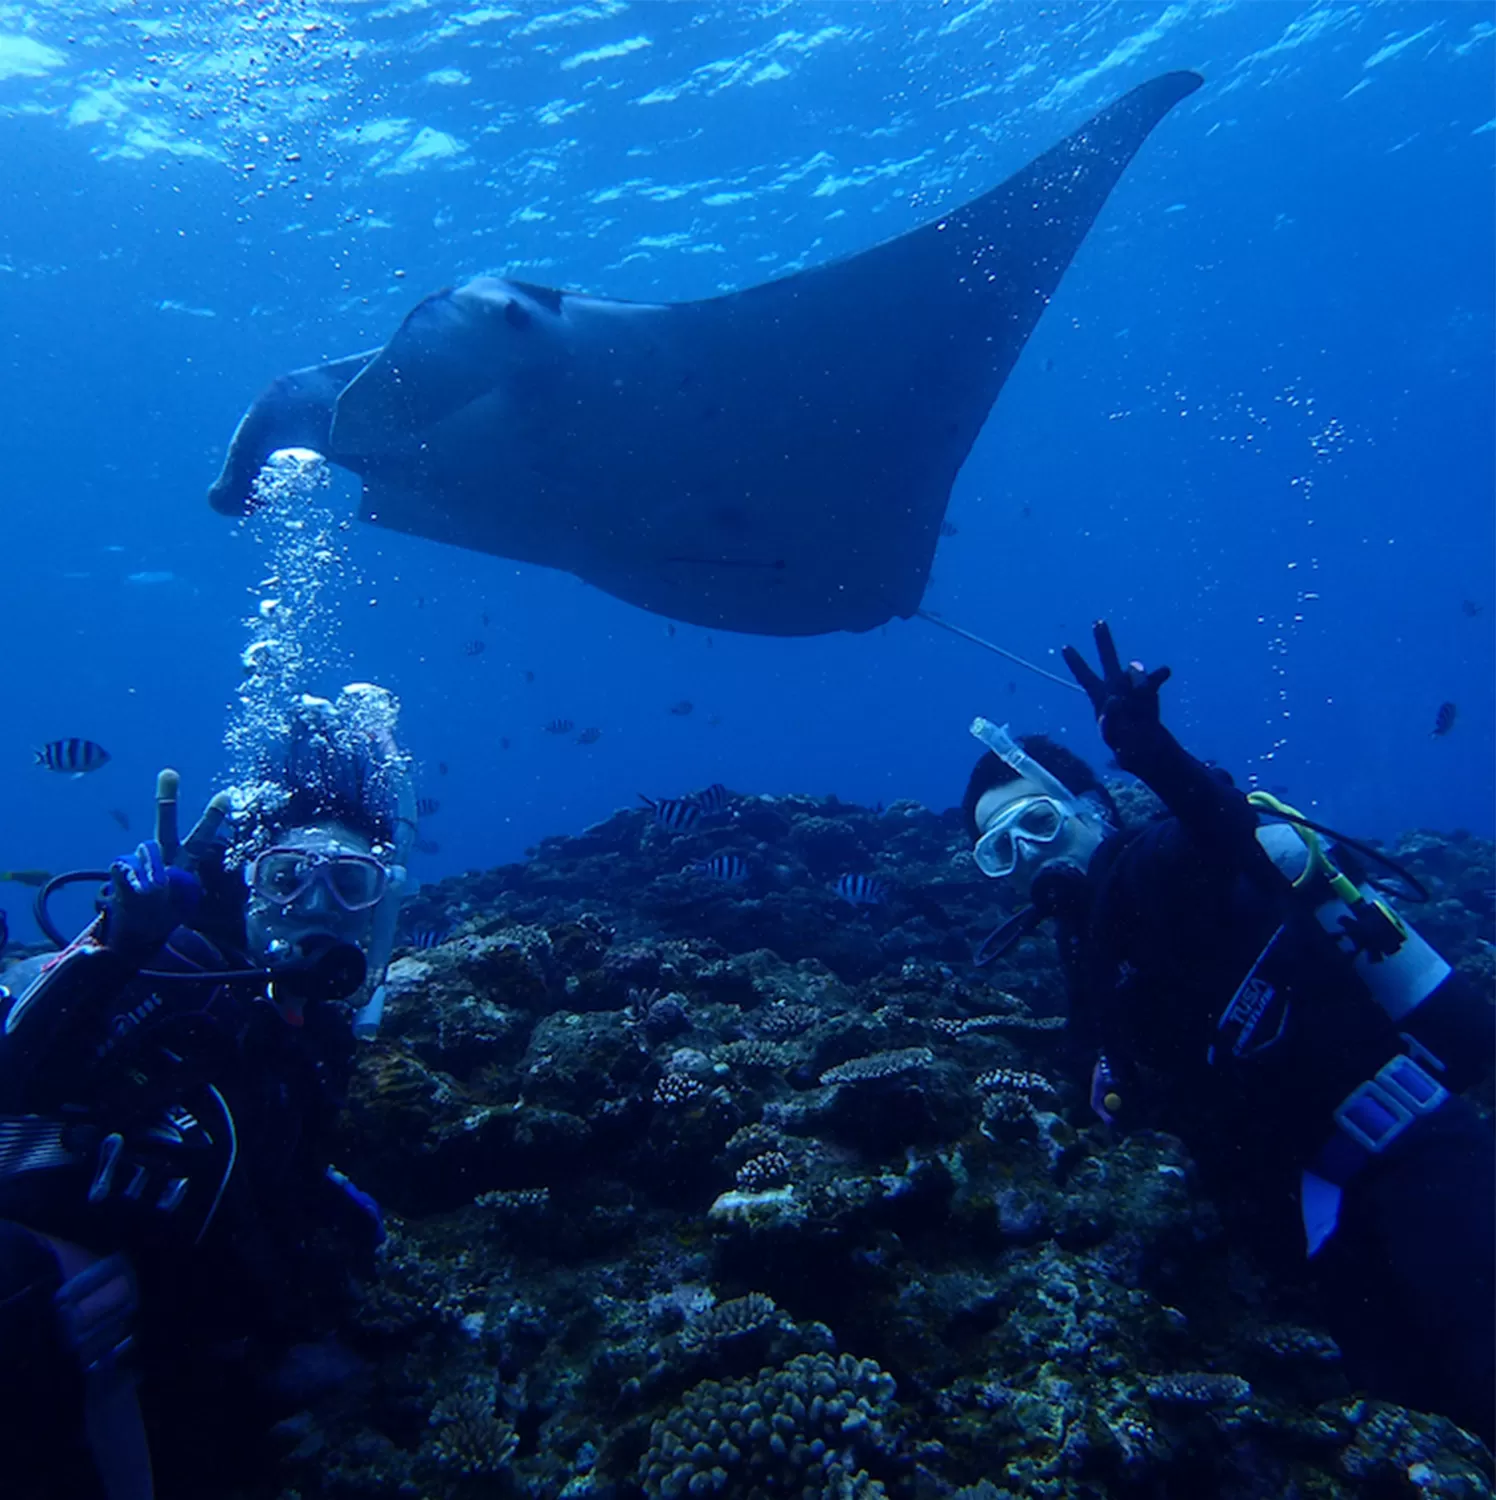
(285, 875)
(1029, 820)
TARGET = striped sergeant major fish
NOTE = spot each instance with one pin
(73, 757)
(430, 937)
(862, 890)
(678, 814)
(732, 868)
(713, 801)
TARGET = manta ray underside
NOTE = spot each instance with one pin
(776, 460)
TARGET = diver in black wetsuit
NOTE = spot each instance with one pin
(1228, 983)
(170, 1224)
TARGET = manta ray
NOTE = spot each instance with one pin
(775, 460)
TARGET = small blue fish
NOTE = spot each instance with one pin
(1444, 720)
(713, 801)
(862, 890)
(732, 868)
(72, 757)
(678, 814)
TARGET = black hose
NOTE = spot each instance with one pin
(1023, 923)
(1419, 889)
(50, 929)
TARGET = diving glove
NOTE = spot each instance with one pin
(1125, 699)
(148, 900)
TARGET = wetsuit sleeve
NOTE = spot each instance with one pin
(1216, 815)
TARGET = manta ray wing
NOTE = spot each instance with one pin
(776, 460)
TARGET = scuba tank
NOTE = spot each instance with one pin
(1396, 965)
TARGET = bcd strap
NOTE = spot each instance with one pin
(1257, 1014)
(1368, 1121)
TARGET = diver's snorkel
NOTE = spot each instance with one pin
(1024, 922)
(1056, 889)
(1002, 744)
(368, 1018)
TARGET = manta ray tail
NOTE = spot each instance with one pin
(1002, 651)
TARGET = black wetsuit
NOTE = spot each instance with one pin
(1167, 923)
(185, 1125)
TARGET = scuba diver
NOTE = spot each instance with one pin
(171, 1226)
(1236, 982)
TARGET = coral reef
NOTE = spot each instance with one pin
(806, 1429)
(733, 1189)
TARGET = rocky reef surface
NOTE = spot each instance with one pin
(723, 1185)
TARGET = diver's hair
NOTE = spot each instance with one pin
(1064, 765)
(334, 778)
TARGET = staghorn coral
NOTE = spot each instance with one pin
(751, 1140)
(734, 1319)
(755, 1053)
(1292, 1344)
(412, 1292)
(1395, 1451)
(1015, 1081)
(784, 1019)
(769, 1169)
(1006, 1111)
(1017, 1021)
(879, 1065)
(677, 1089)
(470, 1439)
(1196, 1388)
(656, 1015)
(815, 1427)
(515, 1202)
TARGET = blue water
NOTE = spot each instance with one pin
(1254, 429)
